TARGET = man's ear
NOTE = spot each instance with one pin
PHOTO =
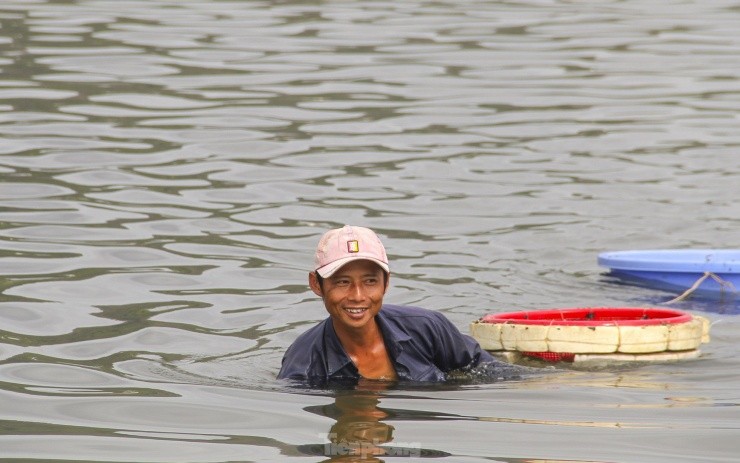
(387, 282)
(313, 282)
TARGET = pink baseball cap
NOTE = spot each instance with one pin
(343, 245)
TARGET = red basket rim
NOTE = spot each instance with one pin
(592, 316)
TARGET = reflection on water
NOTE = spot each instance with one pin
(360, 432)
(167, 167)
(721, 303)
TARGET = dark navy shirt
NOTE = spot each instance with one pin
(422, 344)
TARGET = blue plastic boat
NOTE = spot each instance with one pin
(678, 269)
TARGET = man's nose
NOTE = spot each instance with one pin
(357, 292)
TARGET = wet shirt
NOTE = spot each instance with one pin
(422, 344)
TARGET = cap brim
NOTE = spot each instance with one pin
(329, 269)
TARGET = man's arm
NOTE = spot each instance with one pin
(455, 350)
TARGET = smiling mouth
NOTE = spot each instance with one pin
(355, 311)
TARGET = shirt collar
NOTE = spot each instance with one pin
(338, 358)
(395, 338)
(392, 334)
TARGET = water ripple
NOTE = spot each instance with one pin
(167, 168)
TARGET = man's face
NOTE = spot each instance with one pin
(353, 295)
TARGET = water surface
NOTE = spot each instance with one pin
(168, 166)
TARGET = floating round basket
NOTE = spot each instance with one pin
(584, 334)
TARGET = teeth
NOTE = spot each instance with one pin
(355, 311)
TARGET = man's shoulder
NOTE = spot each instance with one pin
(311, 336)
(406, 313)
(393, 310)
(299, 360)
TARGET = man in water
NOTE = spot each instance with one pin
(364, 338)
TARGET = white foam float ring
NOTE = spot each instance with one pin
(667, 356)
(601, 330)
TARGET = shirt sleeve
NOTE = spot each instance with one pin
(455, 350)
(304, 359)
(293, 366)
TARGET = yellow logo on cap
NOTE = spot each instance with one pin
(353, 246)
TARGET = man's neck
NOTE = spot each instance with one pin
(367, 351)
(359, 339)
